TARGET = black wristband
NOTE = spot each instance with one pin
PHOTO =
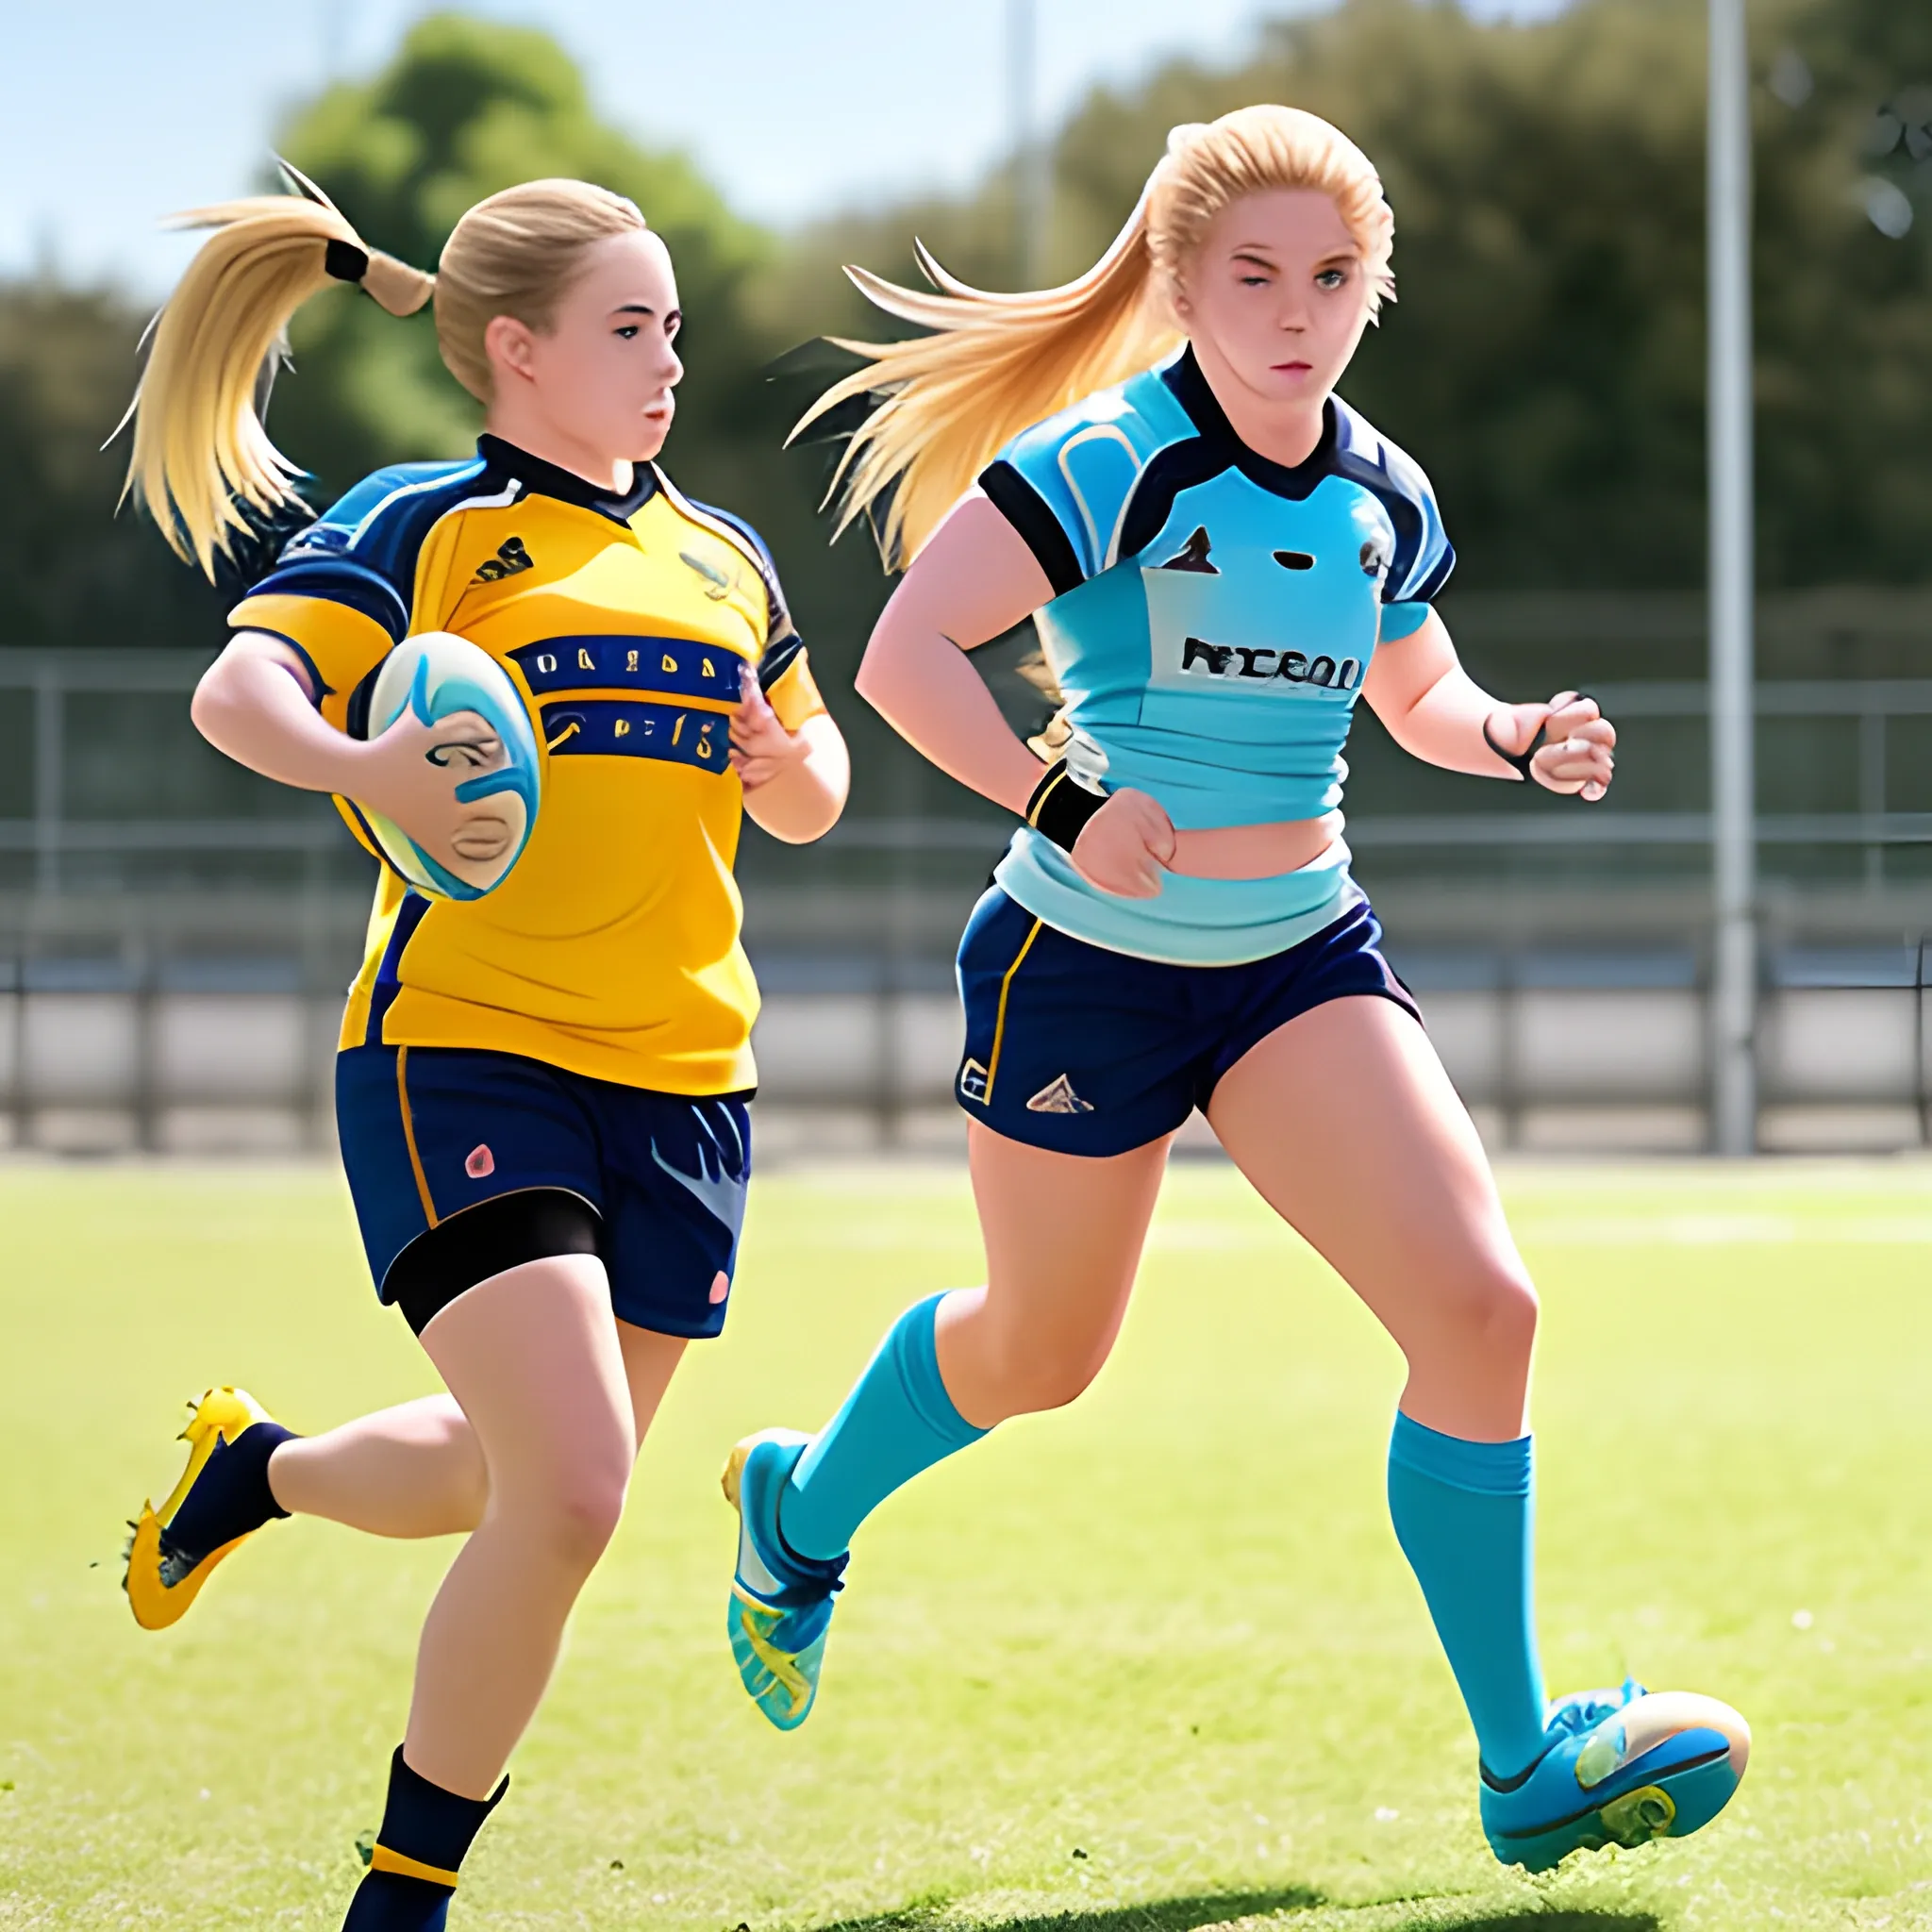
(1060, 805)
(1521, 759)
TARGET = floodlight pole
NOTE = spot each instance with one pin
(1733, 830)
(1031, 185)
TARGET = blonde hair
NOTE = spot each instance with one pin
(202, 461)
(993, 365)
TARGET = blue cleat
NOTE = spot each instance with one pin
(1618, 1767)
(781, 1602)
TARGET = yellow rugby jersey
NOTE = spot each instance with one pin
(613, 947)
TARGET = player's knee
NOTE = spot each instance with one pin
(450, 1436)
(1490, 1305)
(1038, 1376)
(580, 1508)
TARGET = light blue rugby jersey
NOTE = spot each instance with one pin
(1213, 617)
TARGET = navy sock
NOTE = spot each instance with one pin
(897, 1421)
(230, 1497)
(1463, 1515)
(426, 1832)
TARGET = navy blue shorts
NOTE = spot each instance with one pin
(427, 1131)
(1085, 1051)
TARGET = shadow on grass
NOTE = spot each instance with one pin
(1153, 1915)
(1203, 1910)
(1534, 1919)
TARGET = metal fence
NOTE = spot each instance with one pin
(1552, 1049)
(175, 934)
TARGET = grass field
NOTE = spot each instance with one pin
(1153, 1662)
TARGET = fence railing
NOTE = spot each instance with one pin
(58, 824)
(1550, 1050)
(134, 1017)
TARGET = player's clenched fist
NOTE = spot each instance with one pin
(1579, 753)
(760, 745)
(1126, 845)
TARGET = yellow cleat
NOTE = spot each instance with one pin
(159, 1584)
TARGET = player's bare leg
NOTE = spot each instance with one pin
(532, 1356)
(416, 1469)
(411, 1471)
(1387, 1181)
(1063, 1238)
(1345, 1122)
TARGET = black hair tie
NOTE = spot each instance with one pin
(344, 261)
(1060, 805)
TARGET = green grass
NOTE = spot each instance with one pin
(1153, 1662)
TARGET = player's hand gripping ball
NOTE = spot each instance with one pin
(460, 712)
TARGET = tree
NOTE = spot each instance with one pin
(467, 108)
(1545, 360)
(76, 573)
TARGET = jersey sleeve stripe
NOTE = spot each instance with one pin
(1031, 517)
(795, 695)
(1427, 590)
(323, 689)
(779, 660)
(366, 592)
(462, 474)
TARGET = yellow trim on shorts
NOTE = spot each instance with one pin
(409, 1141)
(999, 1024)
(383, 1859)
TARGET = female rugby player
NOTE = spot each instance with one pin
(541, 1092)
(1220, 556)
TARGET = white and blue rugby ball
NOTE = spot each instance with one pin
(437, 676)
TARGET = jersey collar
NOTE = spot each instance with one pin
(547, 480)
(1190, 389)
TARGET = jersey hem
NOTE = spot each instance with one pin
(1257, 918)
(733, 1074)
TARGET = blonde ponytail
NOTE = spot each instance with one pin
(993, 365)
(202, 461)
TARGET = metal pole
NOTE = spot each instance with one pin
(1031, 161)
(50, 780)
(1734, 976)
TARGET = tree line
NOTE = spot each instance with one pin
(1544, 360)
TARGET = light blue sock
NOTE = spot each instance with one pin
(1463, 1514)
(897, 1421)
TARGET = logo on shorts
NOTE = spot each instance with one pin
(1058, 1096)
(972, 1081)
(481, 1163)
(720, 1193)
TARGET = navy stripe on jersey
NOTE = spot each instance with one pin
(680, 665)
(362, 552)
(778, 658)
(548, 480)
(621, 728)
(1172, 460)
(389, 973)
(1217, 448)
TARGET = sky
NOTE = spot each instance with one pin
(122, 110)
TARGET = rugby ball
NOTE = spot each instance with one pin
(438, 676)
